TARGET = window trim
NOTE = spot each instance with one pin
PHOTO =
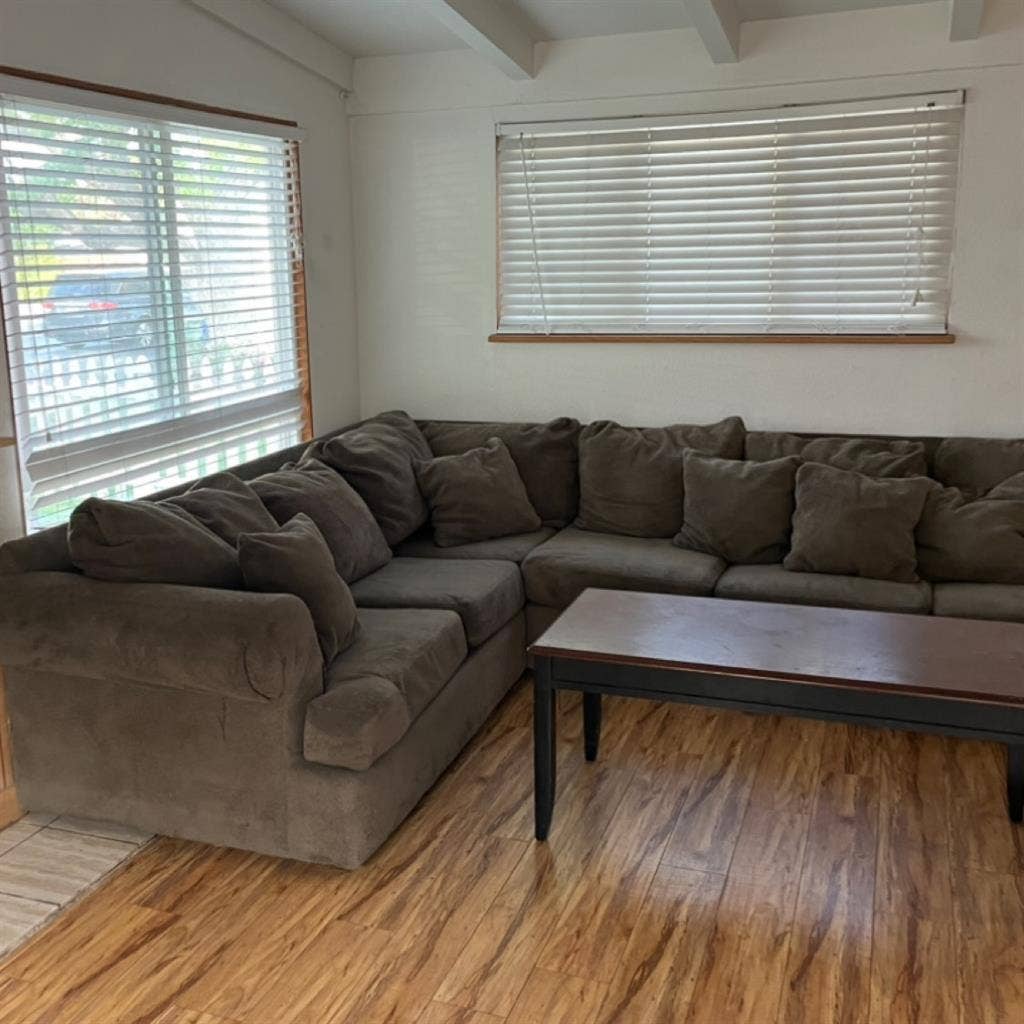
(727, 339)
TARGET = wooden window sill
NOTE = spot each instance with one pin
(726, 339)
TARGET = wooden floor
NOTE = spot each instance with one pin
(712, 867)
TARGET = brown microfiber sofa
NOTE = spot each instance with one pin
(208, 714)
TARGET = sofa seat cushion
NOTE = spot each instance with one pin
(774, 583)
(1001, 601)
(513, 548)
(401, 660)
(558, 571)
(486, 594)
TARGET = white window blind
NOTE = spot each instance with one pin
(150, 273)
(829, 219)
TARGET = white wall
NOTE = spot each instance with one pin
(424, 199)
(173, 48)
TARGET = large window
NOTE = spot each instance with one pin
(152, 294)
(829, 219)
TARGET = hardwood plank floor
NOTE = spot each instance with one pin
(710, 868)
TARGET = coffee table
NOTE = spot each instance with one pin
(961, 677)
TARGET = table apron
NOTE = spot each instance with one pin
(917, 713)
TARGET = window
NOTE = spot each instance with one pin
(830, 219)
(151, 278)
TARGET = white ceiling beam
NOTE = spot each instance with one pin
(492, 29)
(965, 19)
(284, 35)
(718, 24)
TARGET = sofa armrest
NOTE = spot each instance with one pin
(257, 647)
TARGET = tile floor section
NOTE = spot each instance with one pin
(47, 861)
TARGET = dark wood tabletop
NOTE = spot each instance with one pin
(964, 659)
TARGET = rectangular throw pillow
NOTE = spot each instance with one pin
(740, 511)
(148, 542)
(980, 541)
(869, 455)
(855, 525)
(977, 464)
(295, 559)
(546, 455)
(226, 505)
(478, 495)
(376, 459)
(631, 478)
(347, 525)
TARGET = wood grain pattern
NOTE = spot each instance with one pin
(710, 867)
(837, 647)
(723, 339)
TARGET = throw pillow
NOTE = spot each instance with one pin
(855, 525)
(979, 541)
(546, 455)
(631, 478)
(977, 464)
(226, 505)
(869, 455)
(478, 495)
(376, 459)
(295, 559)
(148, 542)
(739, 511)
(347, 525)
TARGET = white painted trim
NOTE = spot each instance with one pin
(490, 28)
(718, 24)
(965, 19)
(281, 33)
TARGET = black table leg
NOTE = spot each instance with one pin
(544, 719)
(1015, 781)
(591, 724)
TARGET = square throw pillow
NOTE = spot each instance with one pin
(226, 505)
(855, 525)
(977, 464)
(980, 541)
(739, 511)
(148, 542)
(869, 455)
(631, 478)
(376, 459)
(340, 514)
(295, 559)
(478, 495)
(546, 455)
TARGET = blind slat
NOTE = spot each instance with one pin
(838, 220)
(151, 307)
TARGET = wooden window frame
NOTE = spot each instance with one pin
(722, 339)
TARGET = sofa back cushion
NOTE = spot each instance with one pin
(977, 464)
(856, 525)
(376, 458)
(869, 455)
(148, 542)
(545, 454)
(295, 559)
(475, 496)
(740, 511)
(225, 505)
(980, 541)
(631, 478)
(347, 525)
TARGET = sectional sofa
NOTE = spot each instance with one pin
(209, 713)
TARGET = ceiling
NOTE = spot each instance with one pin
(367, 28)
